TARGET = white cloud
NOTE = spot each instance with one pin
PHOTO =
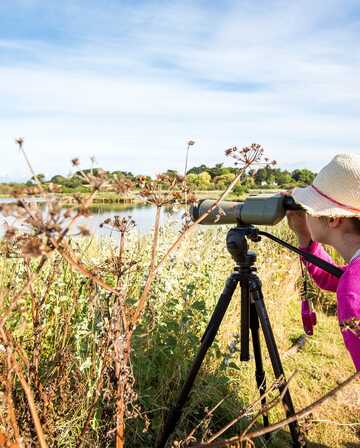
(150, 78)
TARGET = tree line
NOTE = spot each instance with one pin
(201, 177)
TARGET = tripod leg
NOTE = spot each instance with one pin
(245, 320)
(206, 341)
(255, 288)
(259, 369)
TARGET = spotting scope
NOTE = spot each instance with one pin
(257, 210)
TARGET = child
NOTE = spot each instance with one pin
(332, 217)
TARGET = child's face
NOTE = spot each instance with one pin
(319, 230)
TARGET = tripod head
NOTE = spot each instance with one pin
(237, 244)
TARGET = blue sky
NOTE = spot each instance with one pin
(131, 81)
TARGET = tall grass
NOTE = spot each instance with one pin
(61, 329)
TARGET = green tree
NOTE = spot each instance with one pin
(193, 180)
(197, 169)
(223, 181)
(204, 180)
(58, 179)
(171, 173)
(261, 175)
(271, 180)
(127, 174)
(217, 170)
(284, 178)
(73, 182)
(303, 176)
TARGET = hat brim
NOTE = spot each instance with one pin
(317, 205)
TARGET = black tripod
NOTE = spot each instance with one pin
(253, 311)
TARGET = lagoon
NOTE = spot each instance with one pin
(143, 216)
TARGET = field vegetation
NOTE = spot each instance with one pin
(62, 338)
(98, 335)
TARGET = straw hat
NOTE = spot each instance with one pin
(335, 191)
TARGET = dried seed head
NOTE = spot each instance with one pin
(33, 248)
(84, 231)
(19, 141)
(67, 214)
(10, 233)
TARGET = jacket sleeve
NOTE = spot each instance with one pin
(323, 279)
(349, 310)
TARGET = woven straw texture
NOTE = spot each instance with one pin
(338, 185)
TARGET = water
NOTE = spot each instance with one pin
(144, 217)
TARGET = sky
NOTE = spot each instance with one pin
(130, 82)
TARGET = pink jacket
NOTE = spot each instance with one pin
(347, 289)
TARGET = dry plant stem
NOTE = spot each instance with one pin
(19, 350)
(27, 390)
(243, 413)
(10, 403)
(186, 164)
(30, 166)
(299, 415)
(35, 311)
(121, 253)
(191, 434)
(120, 430)
(152, 271)
(68, 255)
(121, 364)
(120, 415)
(269, 406)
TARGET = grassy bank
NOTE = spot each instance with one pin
(115, 198)
(74, 320)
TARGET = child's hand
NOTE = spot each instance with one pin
(297, 223)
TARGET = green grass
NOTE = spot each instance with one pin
(113, 198)
(181, 302)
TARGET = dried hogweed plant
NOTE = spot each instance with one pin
(53, 370)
